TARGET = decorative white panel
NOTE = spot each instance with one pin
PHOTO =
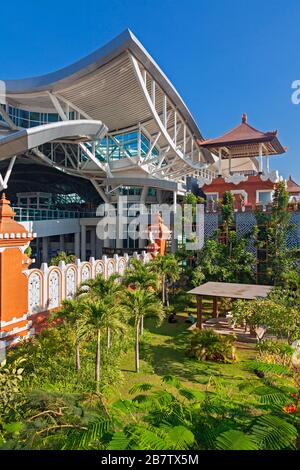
(70, 283)
(236, 178)
(121, 266)
(35, 296)
(99, 268)
(272, 176)
(85, 273)
(110, 268)
(47, 288)
(54, 281)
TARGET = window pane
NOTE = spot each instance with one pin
(265, 197)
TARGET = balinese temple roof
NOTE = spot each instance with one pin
(11, 232)
(292, 186)
(243, 141)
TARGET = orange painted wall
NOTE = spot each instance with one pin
(253, 184)
(13, 285)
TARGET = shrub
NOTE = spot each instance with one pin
(207, 345)
(275, 352)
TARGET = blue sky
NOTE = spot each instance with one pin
(225, 57)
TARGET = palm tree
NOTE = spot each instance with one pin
(62, 256)
(99, 288)
(168, 270)
(141, 303)
(139, 275)
(101, 315)
(73, 313)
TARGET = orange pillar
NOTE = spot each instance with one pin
(14, 238)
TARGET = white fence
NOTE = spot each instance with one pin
(48, 286)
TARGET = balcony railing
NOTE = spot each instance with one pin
(24, 214)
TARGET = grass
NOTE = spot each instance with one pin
(163, 353)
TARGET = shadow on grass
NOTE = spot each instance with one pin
(166, 355)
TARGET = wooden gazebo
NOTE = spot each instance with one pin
(244, 141)
(217, 290)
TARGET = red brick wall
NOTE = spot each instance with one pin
(253, 184)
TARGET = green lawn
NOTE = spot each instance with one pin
(163, 353)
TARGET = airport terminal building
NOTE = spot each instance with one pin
(108, 126)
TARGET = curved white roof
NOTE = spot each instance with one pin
(18, 142)
(103, 85)
(121, 86)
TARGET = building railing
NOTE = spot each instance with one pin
(25, 214)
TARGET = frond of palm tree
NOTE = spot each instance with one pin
(148, 437)
(91, 437)
(138, 304)
(73, 313)
(140, 275)
(167, 268)
(103, 314)
(119, 441)
(100, 286)
(171, 380)
(273, 433)
(97, 313)
(235, 440)
(142, 387)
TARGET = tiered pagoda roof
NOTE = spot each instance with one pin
(292, 186)
(243, 141)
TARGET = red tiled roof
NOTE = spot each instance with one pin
(245, 135)
(292, 186)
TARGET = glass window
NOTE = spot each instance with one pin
(52, 117)
(152, 192)
(264, 197)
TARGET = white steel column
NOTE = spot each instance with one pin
(220, 163)
(119, 239)
(184, 139)
(175, 127)
(83, 243)
(260, 158)
(175, 201)
(174, 241)
(153, 92)
(165, 105)
(267, 163)
(139, 143)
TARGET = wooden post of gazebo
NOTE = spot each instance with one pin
(199, 311)
(218, 290)
(215, 307)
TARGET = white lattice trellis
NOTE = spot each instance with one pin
(35, 297)
(99, 268)
(70, 282)
(110, 268)
(121, 266)
(54, 286)
(85, 272)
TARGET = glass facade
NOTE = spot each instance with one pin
(124, 145)
(112, 147)
(26, 119)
